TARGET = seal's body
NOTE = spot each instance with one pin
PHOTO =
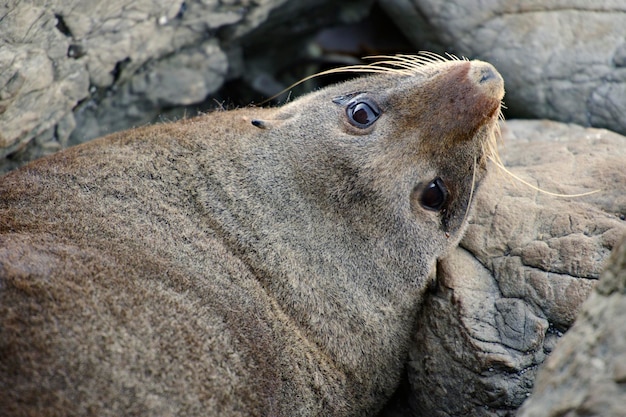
(264, 262)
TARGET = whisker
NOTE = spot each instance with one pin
(490, 151)
(432, 55)
(538, 189)
(471, 196)
(455, 58)
(400, 64)
(413, 66)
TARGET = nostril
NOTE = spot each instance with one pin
(486, 74)
(487, 79)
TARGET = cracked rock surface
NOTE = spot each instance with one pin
(586, 374)
(55, 56)
(561, 59)
(528, 261)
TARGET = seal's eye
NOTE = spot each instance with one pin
(434, 195)
(362, 114)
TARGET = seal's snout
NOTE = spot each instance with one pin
(487, 79)
(466, 95)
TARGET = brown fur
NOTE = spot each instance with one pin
(220, 267)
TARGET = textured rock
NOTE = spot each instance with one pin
(526, 264)
(182, 79)
(55, 53)
(561, 59)
(72, 71)
(586, 374)
(39, 85)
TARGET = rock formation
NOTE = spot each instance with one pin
(586, 373)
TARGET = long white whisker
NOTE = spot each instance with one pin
(471, 196)
(534, 187)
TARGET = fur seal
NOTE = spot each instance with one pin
(257, 262)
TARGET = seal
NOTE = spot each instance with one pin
(257, 262)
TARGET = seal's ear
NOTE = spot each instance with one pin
(261, 124)
(267, 123)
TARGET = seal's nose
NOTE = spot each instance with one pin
(487, 78)
(486, 74)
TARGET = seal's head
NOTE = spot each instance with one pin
(405, 146)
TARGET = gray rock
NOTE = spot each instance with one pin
(586, 374)
(184, 78)
(38, 85)
(561, 59)
(525, 266)
(52, 55)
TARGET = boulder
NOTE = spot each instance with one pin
(586, 374)
(561, 59)
(517, 281)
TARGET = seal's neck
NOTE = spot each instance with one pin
(353, 295)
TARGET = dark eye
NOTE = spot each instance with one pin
(362, 114)
(434, 195)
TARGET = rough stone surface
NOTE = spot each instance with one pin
(525, 266)
(53, 53)
(74, 70)
(586, 374)
(561, 59)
